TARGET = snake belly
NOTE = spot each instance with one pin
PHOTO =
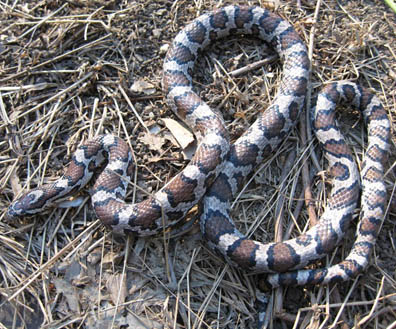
(171, 203)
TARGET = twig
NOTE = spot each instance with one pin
(253, 66)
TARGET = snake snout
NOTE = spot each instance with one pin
(10, 213)
(25, 205)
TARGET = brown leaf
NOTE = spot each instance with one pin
(116, 285)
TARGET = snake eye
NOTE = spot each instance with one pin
(30, 199)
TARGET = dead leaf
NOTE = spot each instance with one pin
(154, 142)
(183, 136)
(137, 322)
(112, 258)
(94, 256)
(120, 321)
(15, 182)
(143, 87)
(69, 292)
(116, 285)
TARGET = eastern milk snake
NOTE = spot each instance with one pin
(222, 168)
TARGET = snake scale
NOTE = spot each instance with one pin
(217, 170)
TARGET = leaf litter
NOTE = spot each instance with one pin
(71, 70)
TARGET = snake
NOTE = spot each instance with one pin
(284, 259)
(373, 196)
(218, 169)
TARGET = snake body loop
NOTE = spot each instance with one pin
(373, 199)
(224, 168)
(172, 202)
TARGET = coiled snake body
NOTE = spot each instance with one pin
(214, 161)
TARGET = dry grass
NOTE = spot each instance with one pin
(66, 74)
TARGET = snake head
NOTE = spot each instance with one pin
(28, 204)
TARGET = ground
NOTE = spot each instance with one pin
(71, 70)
